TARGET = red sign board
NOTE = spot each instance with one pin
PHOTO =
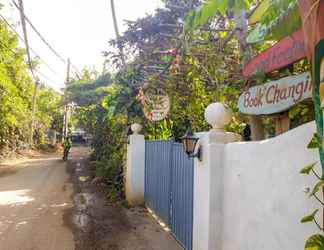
(312, 15)
(287, 51)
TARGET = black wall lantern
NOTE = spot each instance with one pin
(190, 144)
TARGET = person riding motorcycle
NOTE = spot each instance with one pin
(67, 146)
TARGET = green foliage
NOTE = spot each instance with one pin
(48, 109)
(281, 19)
(97, 100)
(314, 143)
(310, 217)
(161, 130)
(318, 186)
(307, 169)
(315, 242)
(88, 90)
(16, 90)
(301, 113)
(209, 9)
(286, 22)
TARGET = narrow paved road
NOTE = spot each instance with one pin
(33, 202)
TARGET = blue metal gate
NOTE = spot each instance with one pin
(169, 187)
(182, 196)
(158, 177)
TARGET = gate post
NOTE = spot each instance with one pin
(135, 168)
(208, 180)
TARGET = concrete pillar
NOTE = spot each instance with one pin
(135, 167)
(54, 139)
(208, 180)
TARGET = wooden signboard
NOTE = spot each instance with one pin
(156, 104)
(276, 96)
(287, 51)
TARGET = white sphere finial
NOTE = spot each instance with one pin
(136, 128)
(218, 116)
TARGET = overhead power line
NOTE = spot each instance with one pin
(44, 40)
(39, 34)
(39, 72)
(11, 49)
(26, 40)
(31, 49)
(45, 76)
(14, 51)
(77, 72)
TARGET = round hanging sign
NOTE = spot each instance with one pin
(156, 104)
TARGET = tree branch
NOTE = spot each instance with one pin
(318, 225)
(318, 199)
(314, 172)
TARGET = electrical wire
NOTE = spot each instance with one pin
(77, 72)
(26, 43)
(31, 49)
(39, 72)
(45, 41)
(46, 77)
(39, 34)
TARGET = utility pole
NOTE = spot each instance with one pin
(113, 12)
(34, 104)
(66, 106)
(67, 81)
(34, 101)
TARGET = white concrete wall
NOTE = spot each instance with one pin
(263, 199)
(135, 170)
(208, 190)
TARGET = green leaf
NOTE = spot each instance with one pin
(259, 12)
(257, 34)
(286, 22)
(315, 242)
(84, 178)
(307, 169)
(206, 11)
(167, 58)
(314, 143)
(317, 188)
(280, 19)
(239, 5)
(310, 217)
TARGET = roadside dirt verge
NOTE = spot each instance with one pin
(7, 170)
(98, 224)
(17, 161)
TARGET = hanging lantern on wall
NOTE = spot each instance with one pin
(190, 144)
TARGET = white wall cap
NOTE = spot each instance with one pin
(136, 128)
(218, 116)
